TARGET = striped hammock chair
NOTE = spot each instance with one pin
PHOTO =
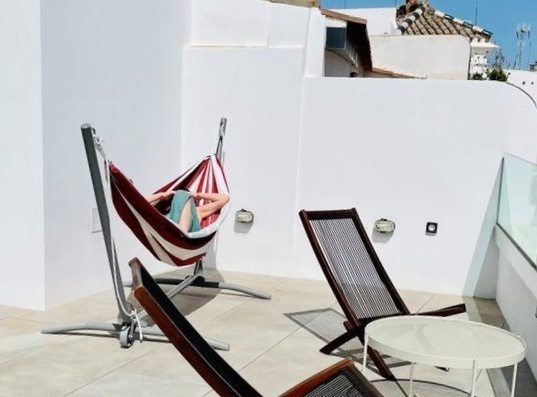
(162, 237)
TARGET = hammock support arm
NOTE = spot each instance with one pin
(220, 141)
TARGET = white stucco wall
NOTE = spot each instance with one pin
(434, 57)
(230, 23)
(435, 165)
(315, 45)
(262, 104)
(21, 155)
(418, 160)
(117, 65)
(525, 80)
(246, 23)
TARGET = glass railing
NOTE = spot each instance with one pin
(517, 214)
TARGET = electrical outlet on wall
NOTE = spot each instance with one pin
(95, 221)
(431, 228)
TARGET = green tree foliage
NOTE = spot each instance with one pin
(476, 76)
(497, 73)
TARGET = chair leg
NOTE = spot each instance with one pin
(384, 370)
(381, 365)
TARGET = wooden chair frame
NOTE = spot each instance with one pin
(214, 369)
(355, 325)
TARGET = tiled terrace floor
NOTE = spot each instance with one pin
(274, 345)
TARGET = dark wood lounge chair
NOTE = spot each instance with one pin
(341, 379)
(356, 275)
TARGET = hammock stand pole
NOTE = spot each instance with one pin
(129, 329)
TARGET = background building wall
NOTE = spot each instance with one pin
(21, 155)
(434, 57)
(335, 66)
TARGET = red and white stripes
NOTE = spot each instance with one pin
(157, 233)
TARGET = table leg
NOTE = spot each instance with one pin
(474, 377)
(411, 381)
(514, 380)
(364, 359)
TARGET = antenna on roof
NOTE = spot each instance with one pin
(476, 8)
(523, 32)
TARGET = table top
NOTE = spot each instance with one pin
(442, 341)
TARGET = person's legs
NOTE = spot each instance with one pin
(185, 220)
(180, 211)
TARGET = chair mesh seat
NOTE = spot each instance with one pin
(343, 384)
(352, 267)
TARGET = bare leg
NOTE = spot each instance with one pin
(185, 219)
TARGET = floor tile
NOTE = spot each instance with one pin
(123, 383)
(10, 326)
(289, 362)
(38, 377)
(415, 300)
(247, 341)
(439, 301)
(482, 306)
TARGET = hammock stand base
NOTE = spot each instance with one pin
(131, 327)
(127, 333)
(197, 279)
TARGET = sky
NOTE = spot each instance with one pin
(501, 17)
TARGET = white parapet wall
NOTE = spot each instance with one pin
(525, 80)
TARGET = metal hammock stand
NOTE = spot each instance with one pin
(132, 323)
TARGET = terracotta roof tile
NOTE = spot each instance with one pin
(428, 21)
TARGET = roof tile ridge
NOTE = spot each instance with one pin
(459, 21)
(409, 19)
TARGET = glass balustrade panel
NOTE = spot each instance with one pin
(518, 204)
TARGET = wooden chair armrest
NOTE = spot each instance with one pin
(446, 311)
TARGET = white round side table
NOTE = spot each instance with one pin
(445, 342)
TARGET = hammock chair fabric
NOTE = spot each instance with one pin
(162, 237)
